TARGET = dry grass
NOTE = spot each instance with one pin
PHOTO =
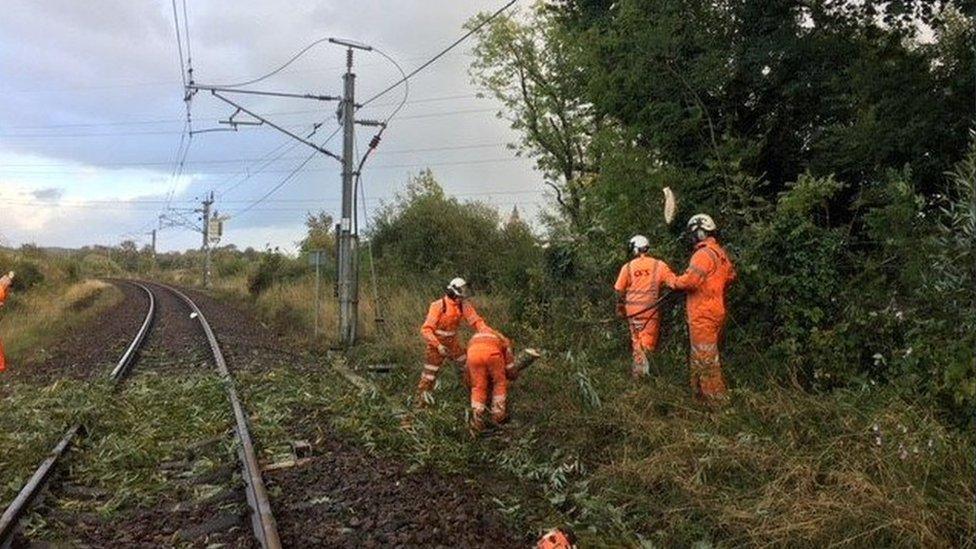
(34, 319)
(630, 465)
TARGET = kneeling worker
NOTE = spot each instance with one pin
(440, 333)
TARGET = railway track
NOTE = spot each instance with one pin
(262, 520)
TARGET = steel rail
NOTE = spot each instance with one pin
(262, 519)
(14, 512)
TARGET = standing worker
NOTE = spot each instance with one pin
(490, 364)
(709, 273)
(440, 333)
(5, 282)
(638, 287)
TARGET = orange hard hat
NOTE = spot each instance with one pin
(557, 539)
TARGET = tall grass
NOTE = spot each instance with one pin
(33, 320)
(629, 464)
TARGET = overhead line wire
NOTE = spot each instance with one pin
(440, 54)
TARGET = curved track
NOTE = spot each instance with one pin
(262, 519)
(35, 485)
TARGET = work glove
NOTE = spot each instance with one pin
(441, 350)
(511, 372)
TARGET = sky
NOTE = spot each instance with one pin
(93, 118)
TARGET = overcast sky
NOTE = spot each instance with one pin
(93, 116)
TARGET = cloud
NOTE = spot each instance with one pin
(48, 193)
(97, 112)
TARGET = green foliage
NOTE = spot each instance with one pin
(94, 264)
(425, 232)
(273, 268)
(810, 134)
(320, 235)
(28, 275)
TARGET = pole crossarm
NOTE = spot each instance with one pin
(264, 120)
(316, 97)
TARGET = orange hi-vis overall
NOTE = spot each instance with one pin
(639, 283)
(489, 359)
(709, 273)
(4, 286)
(440, 328)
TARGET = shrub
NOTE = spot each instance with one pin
(271, 269)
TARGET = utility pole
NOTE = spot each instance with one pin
(154, 245)
(205, 210)
(347, 284)
(348, 266)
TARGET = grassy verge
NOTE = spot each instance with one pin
(33, 320)
(640, 464)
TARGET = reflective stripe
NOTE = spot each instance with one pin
(444, 333)
(428, 377)
(484, 334)
(510, 366)
(461, 359)
(477, 406)
(697, 270)
(431, 367)
(704, 347)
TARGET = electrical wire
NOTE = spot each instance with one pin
(288, 177)
(279, 69)
(263, 158)
(186, 33)
(215, 119)
(441, 54)
(179, 44)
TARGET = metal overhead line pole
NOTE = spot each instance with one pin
(348, 265)
(205, 210)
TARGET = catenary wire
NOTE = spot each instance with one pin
(440, 54)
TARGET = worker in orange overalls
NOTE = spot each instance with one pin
(638, 287)
(559, 538)
(5, 282)
(490, 365)
(709, 273)
(440, 333)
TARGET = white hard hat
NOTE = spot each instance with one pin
(639, 243)
(457, 287)
(703, 222)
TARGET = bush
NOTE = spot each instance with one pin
(272, 269)
(99, 265)
(28, 273)
(426, 233)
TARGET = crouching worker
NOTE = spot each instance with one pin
(491, 364)
(5, 282)
(439, 331)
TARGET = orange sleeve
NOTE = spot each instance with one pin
(430, 324)
(623, 279)
(694, 276)
(667, 276)
(474, 320)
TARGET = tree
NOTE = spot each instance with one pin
(321, 233)
(529, 68)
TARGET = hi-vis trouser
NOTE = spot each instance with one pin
(488, 371)
(433, 360)
(706, 369)
(644, 331)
